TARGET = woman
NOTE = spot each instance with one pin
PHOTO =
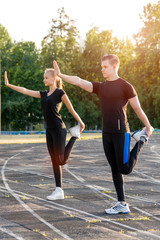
(51, 102)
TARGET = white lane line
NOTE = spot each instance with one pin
(89, 186)
(154, 180)
(66, 168)
(29, 172)
(95, 189)
(155, 152)
(105, 194)
(25, 205)
(146, 213)
(75, 176)
(115, 223)
(6, 191)
(63, 207)
(48, 204)
(7, 231)
(142, 199)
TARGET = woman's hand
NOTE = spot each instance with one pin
(6, 79)
(56, 68)
(22, 90)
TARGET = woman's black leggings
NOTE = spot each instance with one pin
(121, 160)
(59, 153)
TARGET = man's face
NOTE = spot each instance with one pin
(107, 69)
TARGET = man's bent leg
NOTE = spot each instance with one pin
(134, 155)
(126, 160)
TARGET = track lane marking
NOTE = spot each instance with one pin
(24, 204)
(124, 225)
(7, 231)
(63, 207)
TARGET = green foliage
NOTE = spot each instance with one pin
(60, 43)
(23, 67)
(140, 65)
(147, 63)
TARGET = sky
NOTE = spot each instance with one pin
(29, 20)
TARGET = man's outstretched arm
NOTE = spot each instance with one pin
(77, 81)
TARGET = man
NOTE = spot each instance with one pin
(114, 95)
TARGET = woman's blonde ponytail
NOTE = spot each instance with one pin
(59, 83)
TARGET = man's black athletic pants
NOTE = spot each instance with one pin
(122, 161)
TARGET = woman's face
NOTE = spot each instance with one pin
(48, 79)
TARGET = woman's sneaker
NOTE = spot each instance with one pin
(56, 195)
(118, 208)
(141, 135)
(75, 131)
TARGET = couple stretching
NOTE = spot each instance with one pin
(114, 95)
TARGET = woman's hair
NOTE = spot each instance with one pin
(52, 73)
(113, 59)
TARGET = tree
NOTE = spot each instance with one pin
(5, 45)
(61, 42)
(147, 64)
(24, 69)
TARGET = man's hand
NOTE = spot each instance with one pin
(149, 131)
(6, 79)
(56, 68)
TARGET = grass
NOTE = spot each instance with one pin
(39, 138)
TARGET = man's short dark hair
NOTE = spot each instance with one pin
(113, 59)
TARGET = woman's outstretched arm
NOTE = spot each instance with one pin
(22, 90)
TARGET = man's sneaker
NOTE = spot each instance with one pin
(141, 135)
(118, 208)
(56, 195)
(75, 131)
